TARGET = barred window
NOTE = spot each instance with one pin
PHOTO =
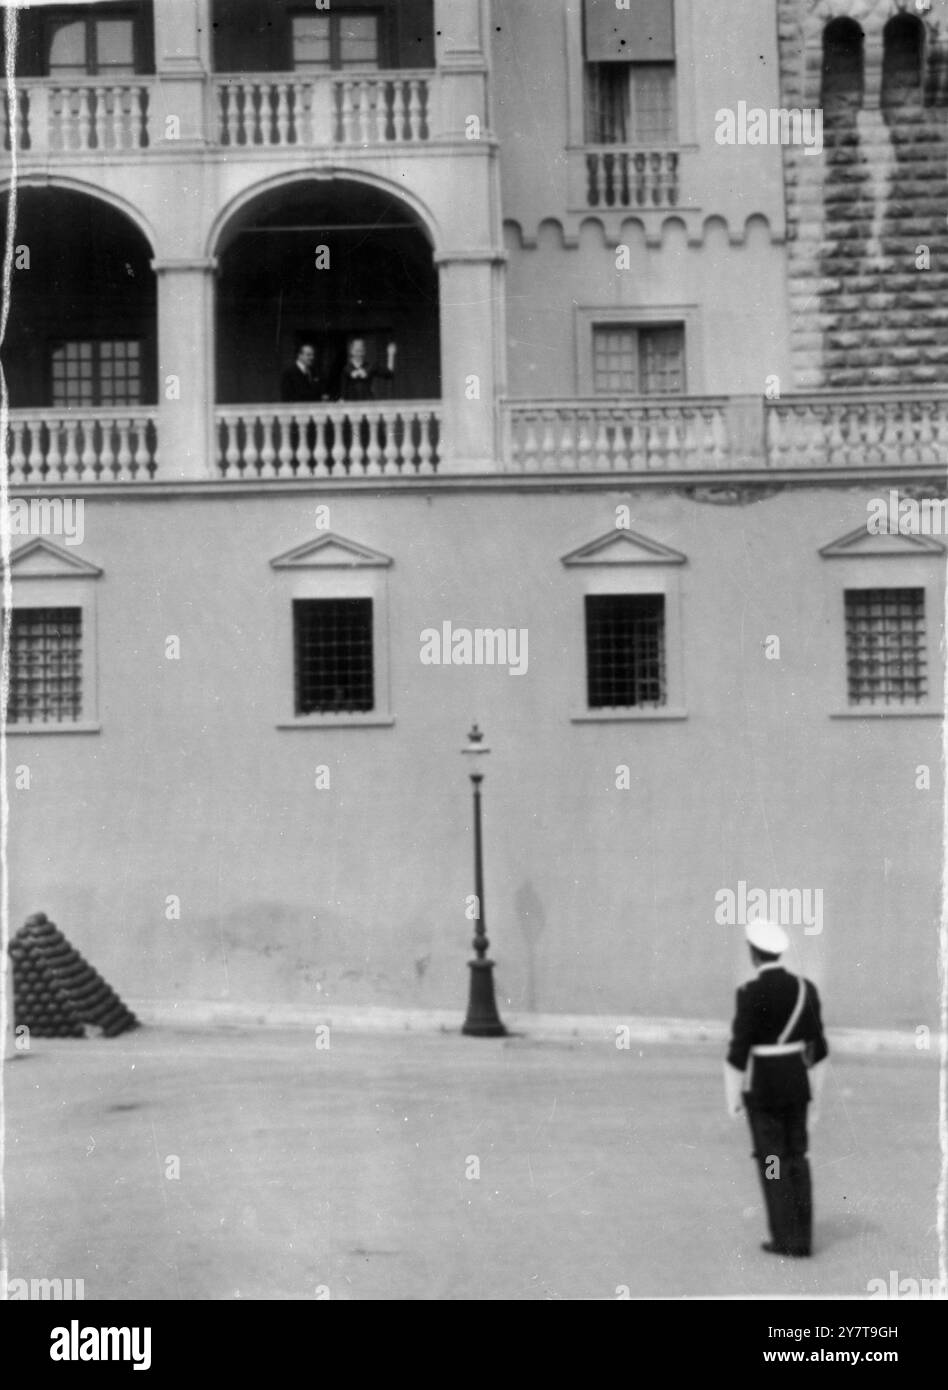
(885, 646)
(332, 641)
(45, 666)
(630, 361)
(625, 650)
(96, 372)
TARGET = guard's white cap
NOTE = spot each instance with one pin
(767, 936)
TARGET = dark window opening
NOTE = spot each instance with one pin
(334, 672)
(843, 67)
(45, 666)
(885, 646)
(902, 61)
(625, 651)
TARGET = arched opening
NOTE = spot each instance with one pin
(902, 61)
(82, 330)
(322, 262)
(843, 84)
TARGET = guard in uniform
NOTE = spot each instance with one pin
(773, 1069)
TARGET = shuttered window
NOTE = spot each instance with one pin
(643, 33)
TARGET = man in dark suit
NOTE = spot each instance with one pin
(777, 1036)
(300, 382)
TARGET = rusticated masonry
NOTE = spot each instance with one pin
(868, 220)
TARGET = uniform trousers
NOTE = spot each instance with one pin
(781, 1134)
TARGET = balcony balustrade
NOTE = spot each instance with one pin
(629, 178)
(355, 109)
(888, 431)
(286, 442)
(51, 447)
(848, 430)
(241, 111)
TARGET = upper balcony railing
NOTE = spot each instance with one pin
(817, 430)
(240, 111)
(813, 432)
(619, 178)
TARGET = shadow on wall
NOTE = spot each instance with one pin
(532, 920)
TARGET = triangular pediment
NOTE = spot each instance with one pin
(40, 559)
(861, 543)
(622, 547)
(331, 552)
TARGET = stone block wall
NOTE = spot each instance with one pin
(868, 219)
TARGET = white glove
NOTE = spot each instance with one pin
(817, 1082)
(733, 1085)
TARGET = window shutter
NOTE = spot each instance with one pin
(643, 33)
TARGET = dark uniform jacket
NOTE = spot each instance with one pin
(764, 1007)
(297, 386)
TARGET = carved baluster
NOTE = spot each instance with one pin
(85, 118)
(925, 433)
(97, 104)
(123, 458)
(229, 455)
(618, 419)
(88, 457)
(674, 459)
(228, 100)
(285, 450)
(54, 457)
(406, 451)
(268, 451)
(603, 452)
(425, 449)
(654, 441)
(142, 459)
(249, 454)
(530, 446)
(835, 442)
(106, 460)
(567, 444)
(548, 458)
(346, 112)
(71, 455)
(636, 452)
(390, 418)
(364, 113)
(720, 440)
(360, 428)
(16, 455)
(416, 109)
(584, 444)
(282, 114)
(36, 459)
(320, 457)
(342, 424)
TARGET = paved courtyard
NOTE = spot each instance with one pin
(417, 1166)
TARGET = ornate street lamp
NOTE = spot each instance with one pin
(483, 1020)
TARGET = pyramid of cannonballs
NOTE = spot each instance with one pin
(56, 993)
